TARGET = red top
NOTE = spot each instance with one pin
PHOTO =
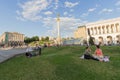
(98, 52)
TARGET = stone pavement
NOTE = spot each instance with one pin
(9, 53)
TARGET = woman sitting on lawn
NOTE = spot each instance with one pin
(87, 53)
(98, 54)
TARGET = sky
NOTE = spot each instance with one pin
(38, 17)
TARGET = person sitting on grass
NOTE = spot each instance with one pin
(98, 54)
(87, 53)
(38, 49)
(28, 51)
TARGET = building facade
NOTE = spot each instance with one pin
(104, 32)
(80, 32)
(11, 39)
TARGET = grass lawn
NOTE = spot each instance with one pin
(62, 63)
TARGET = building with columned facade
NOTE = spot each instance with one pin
(12, 39)
(104, 31)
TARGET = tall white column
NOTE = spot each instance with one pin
(58, 28)
(97, 31)
(101, 29)
(114, 28)
(93, 31)
(114, 39)
(90, 31)
(105, 28)
(110, 29)
(118, 27)
(105, 40)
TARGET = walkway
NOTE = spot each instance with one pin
(8, 53)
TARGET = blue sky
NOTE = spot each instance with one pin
(38, 17)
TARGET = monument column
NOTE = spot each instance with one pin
(58, 28)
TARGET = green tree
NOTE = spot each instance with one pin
(35, 38)
(27, 40)
(91, 40)
(47, 38)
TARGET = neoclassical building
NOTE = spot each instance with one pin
(12, 39)
(104, 31)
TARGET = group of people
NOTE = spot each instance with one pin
(98, 54)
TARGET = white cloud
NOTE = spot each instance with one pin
(65, 13)
(91, 9)
(48, 13)
(31, 9)
(118, 9)
(85, 14)
(67, 25)
(118, 3)
(56, 4)
(105, 10)
(88, 12)
(70, 4)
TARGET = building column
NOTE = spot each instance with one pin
(105, 40)
(93, 31)
(110, 29)
(90, 31)
(101, 29)
(114, 39)
(105, 28)
(118, 27)
(98, 30)
(114, 28)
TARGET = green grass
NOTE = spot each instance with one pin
(62, 63)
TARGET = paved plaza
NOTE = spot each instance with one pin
(6, 54)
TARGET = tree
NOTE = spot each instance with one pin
(27, 40)
(35, 38)
(47, 38)
(91, 40)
